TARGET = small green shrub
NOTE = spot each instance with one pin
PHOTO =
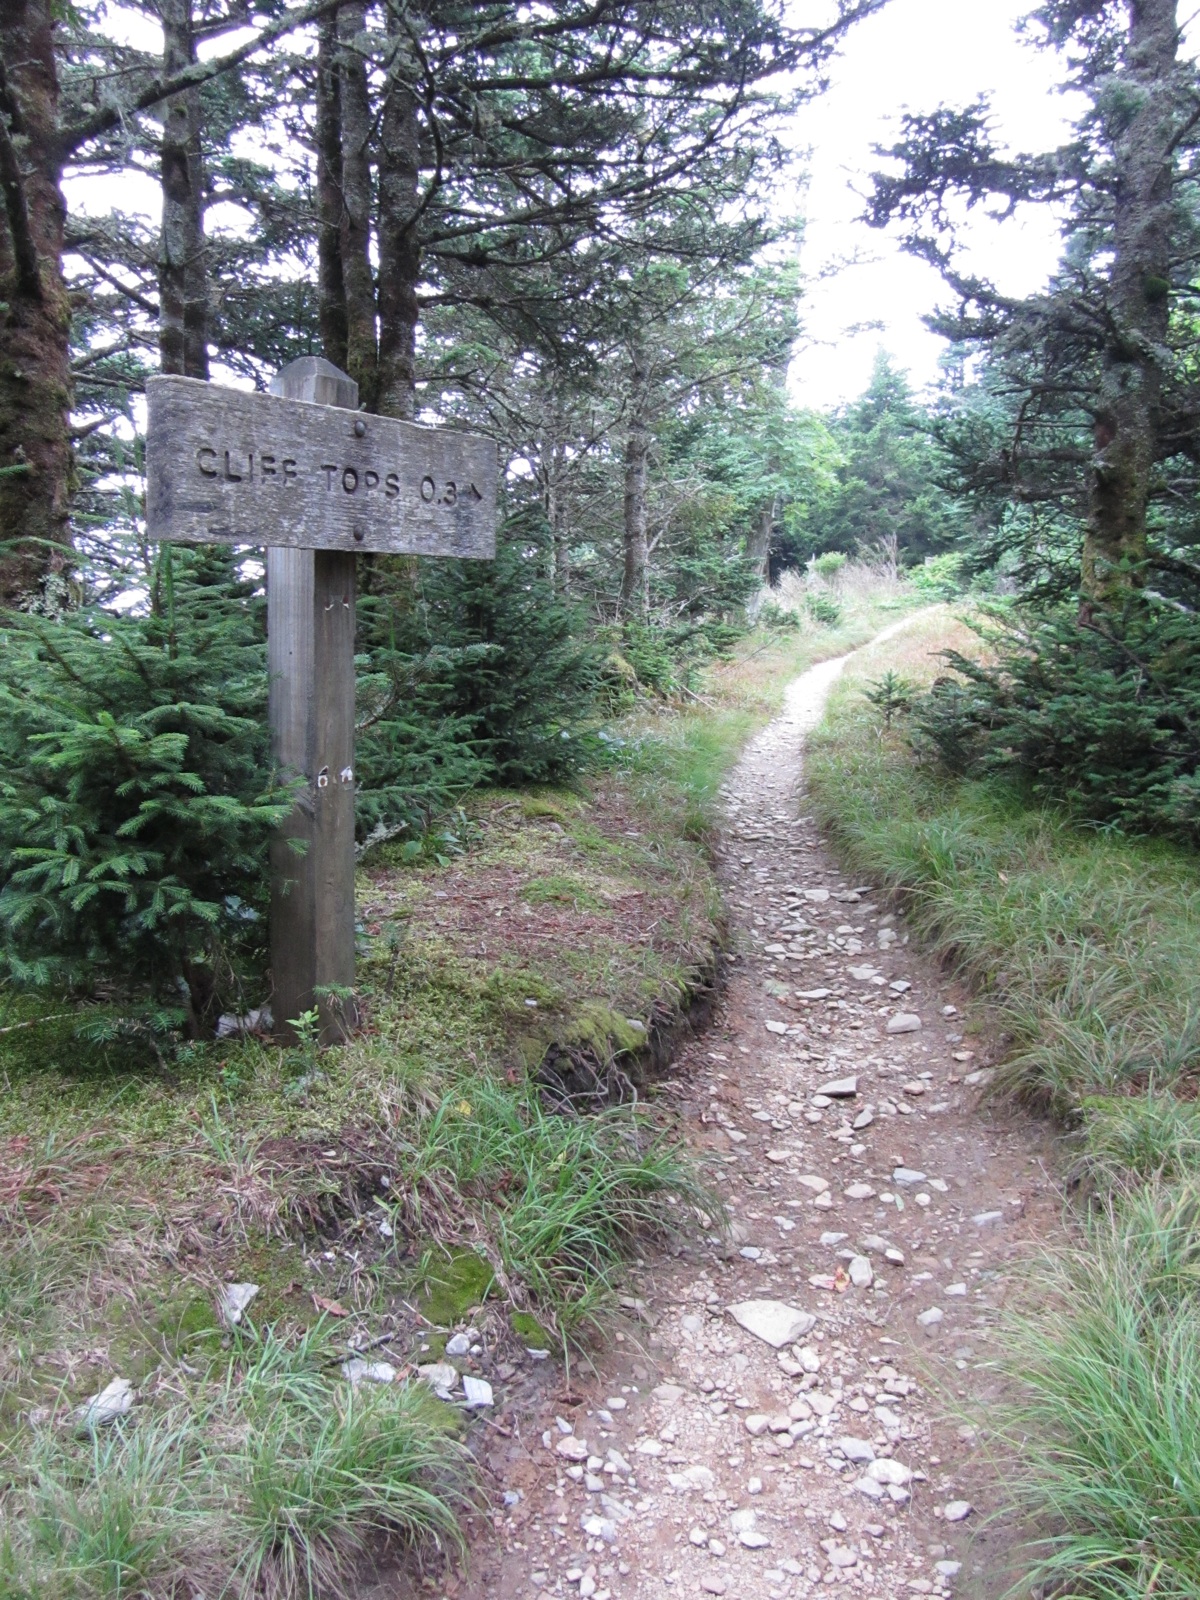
(1103, 715)
(939, 577)
(891, 695)
(479, 672)
(778, 617)
(823, 609)
(137, 800)
(829, 565)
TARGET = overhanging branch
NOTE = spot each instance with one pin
(191, 77)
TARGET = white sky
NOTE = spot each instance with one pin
(914, 55)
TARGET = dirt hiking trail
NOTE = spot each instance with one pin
(872, 1198)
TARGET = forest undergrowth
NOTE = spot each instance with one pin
(483, 1157)
(1083, 946)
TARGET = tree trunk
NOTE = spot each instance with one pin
(1127, 412)
(331, 283)
(362, 358)
(635, 581)
(35, 315)
(556, 516)
(758, 545)
(182, 266)
(399, 245)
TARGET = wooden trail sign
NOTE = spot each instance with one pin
(226, 467)
(304, 473)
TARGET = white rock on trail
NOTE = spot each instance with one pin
(856, 1449)
(840, 1088)
(441, 1377)
(958, 1510)
(358, 1371)
(234, 1300)
(478, 1392)
(113, 1402)
(692, 1478)
(772, 1321)
(573, 1448)
(861, 1274)
(907, 1175)
(904, 1022)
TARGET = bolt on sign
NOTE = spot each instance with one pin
(303, 472)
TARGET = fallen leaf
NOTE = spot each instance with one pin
(330, 1307)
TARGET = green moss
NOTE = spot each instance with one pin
(562, 890)
(551, 805)
(529, 1331)
(453, 1282)
(188, 1325)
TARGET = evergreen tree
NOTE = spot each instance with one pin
(888, 493)
(1096, 376)
(137, 802)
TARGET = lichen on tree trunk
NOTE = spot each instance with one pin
(635, 579)
(35, 380)
(362, 351)
(758, 544)
(182, 264)
(331, 282)
(1127, 408)
(399, 244)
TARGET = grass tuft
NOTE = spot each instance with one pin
(273, 1480)
(561, 1199)
(1103, 1448)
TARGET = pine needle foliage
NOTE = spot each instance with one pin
(1103, 714)
(137, 800)
(503, 678)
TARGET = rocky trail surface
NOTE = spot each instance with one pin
(783, 1415)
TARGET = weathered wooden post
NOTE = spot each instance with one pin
(315, 481)
(310, 656)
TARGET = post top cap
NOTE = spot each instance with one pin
(314, 379)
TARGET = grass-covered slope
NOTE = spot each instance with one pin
(475, 1157)
(1085, 946)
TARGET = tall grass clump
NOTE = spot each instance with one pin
(271, 1476)
(562, 1199)
(1102, 1448)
